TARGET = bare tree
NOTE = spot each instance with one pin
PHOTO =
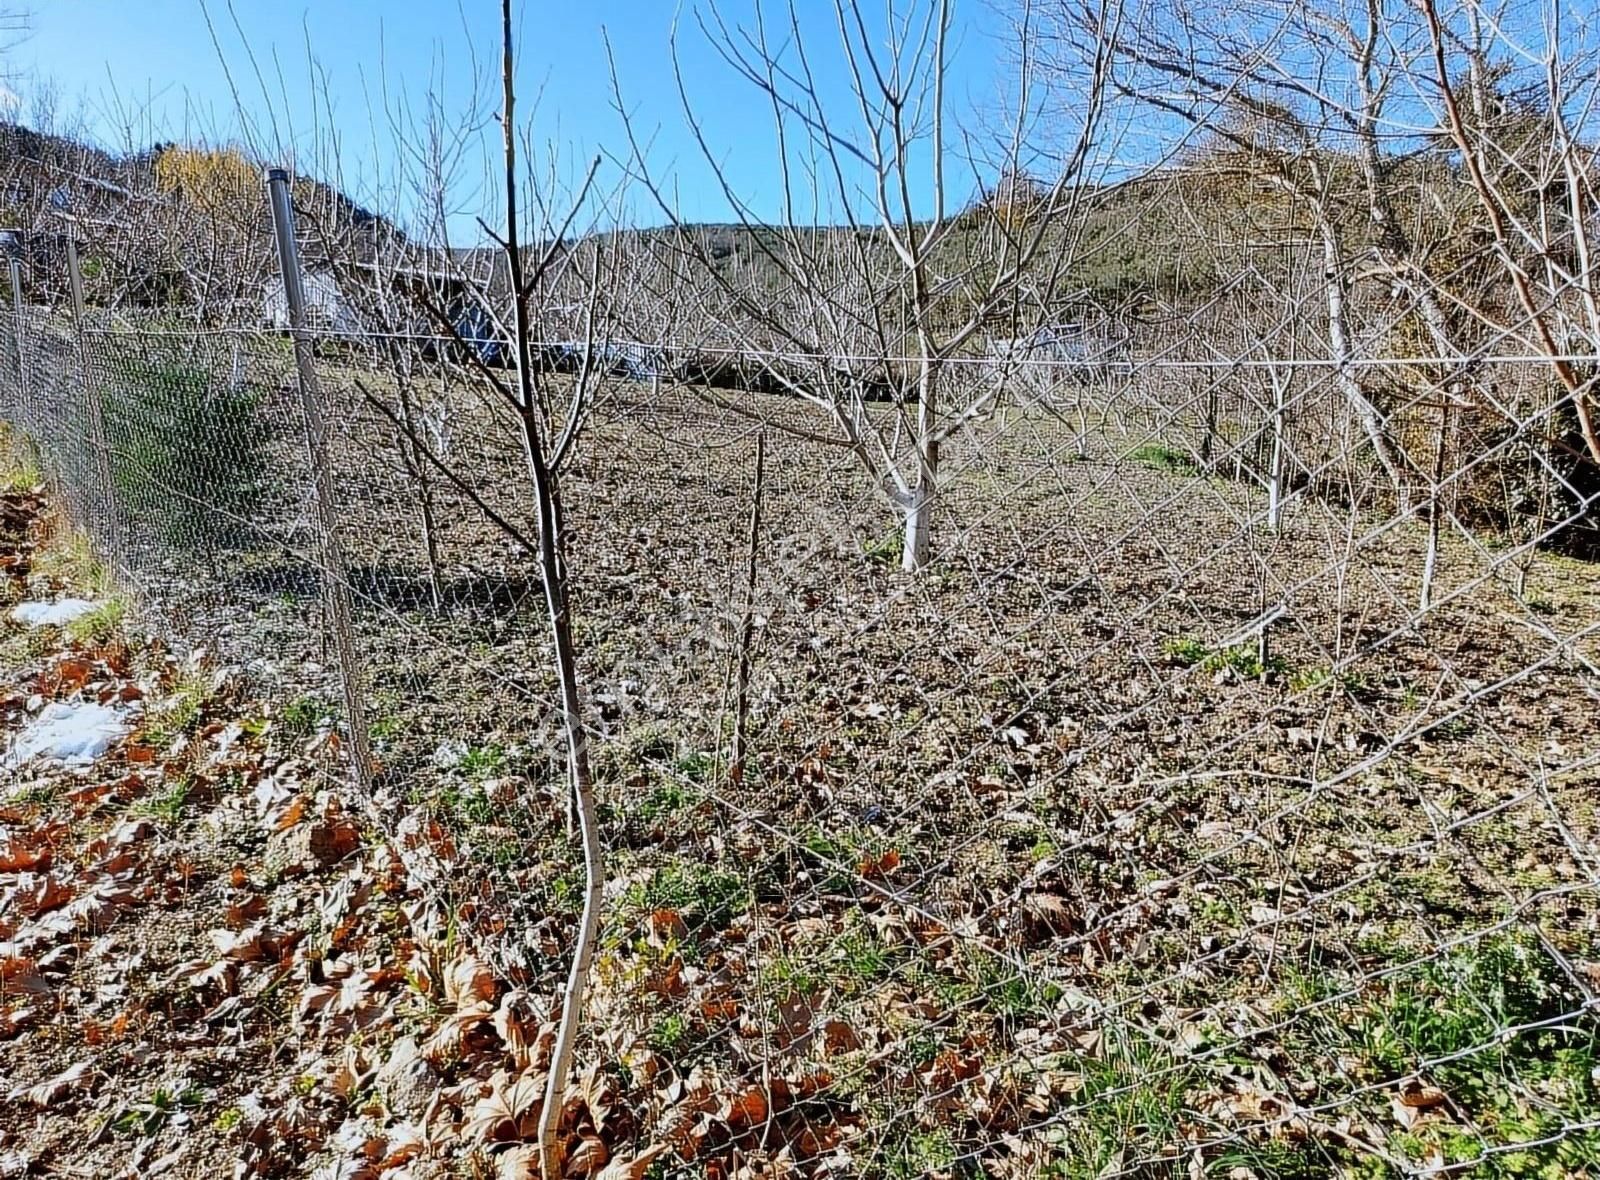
(1545, 253)
(553, 273)
(545, 452)
(1319, 105)
(872, 284)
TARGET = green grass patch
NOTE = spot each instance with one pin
(100, 624)
(860, 957)
(1243, 659)
(705, 896)
(663, 802)
(1501, 1029)
(169, 804)
(19, 462)
(696, 766)
(1185, 650)
(1323, 676)
(1010, 994)
(669, 1035)
(42, 795)
(465, 804)
(304, 715)
(178, 713)
(888, 549)
(1130, 1101)
(148, 1118)
(68, 559)
(481, 762)
(913, 1154)
(1164, 458)
(791, 975)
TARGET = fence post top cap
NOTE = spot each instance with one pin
(276, 173)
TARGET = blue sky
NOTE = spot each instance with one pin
(156, 58)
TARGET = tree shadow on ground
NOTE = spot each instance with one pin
(388, 587)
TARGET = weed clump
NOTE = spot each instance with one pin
(97, 626)
(188, 454)
(1164, 458)
(1242, 659)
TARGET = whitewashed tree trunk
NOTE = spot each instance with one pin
(1371, 421)
(1275, 463)
(916, 548)
(918, 524)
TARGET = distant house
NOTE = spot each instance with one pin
(1073, 346)
(637, 362)
(327, 310)
(430, 284)
(89, 198)
(58, 190)
(476, 328)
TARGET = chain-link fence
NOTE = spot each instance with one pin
(1211, 804)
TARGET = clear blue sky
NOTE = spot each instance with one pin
(108, 57)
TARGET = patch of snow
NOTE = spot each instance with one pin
(52, 614)
(449, 754)
(73, 733)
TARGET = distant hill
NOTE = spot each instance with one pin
(1171, 238)
(151, 233)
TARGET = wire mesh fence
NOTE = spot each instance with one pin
(1208, 806)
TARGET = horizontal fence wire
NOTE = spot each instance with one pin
(1023, 358)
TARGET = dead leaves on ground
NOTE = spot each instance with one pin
(409, 1054)
(400, 1054)
(49, 1092)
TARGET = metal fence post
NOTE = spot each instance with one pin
(24, 402)
(336, 587)
(98, 440)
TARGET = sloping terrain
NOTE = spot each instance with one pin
(207, 964)
(1033, 872)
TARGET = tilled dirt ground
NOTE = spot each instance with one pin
(1040, 864)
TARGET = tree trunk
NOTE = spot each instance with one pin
(582, 789)
(915, 548)
(1430, 558)
(741, 692)
(1275, 460)
(1208, 437)
(919, 520)
(417, 468)
(1372, 423)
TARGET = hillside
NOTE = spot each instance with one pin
(1148, 239)
(169, 228)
